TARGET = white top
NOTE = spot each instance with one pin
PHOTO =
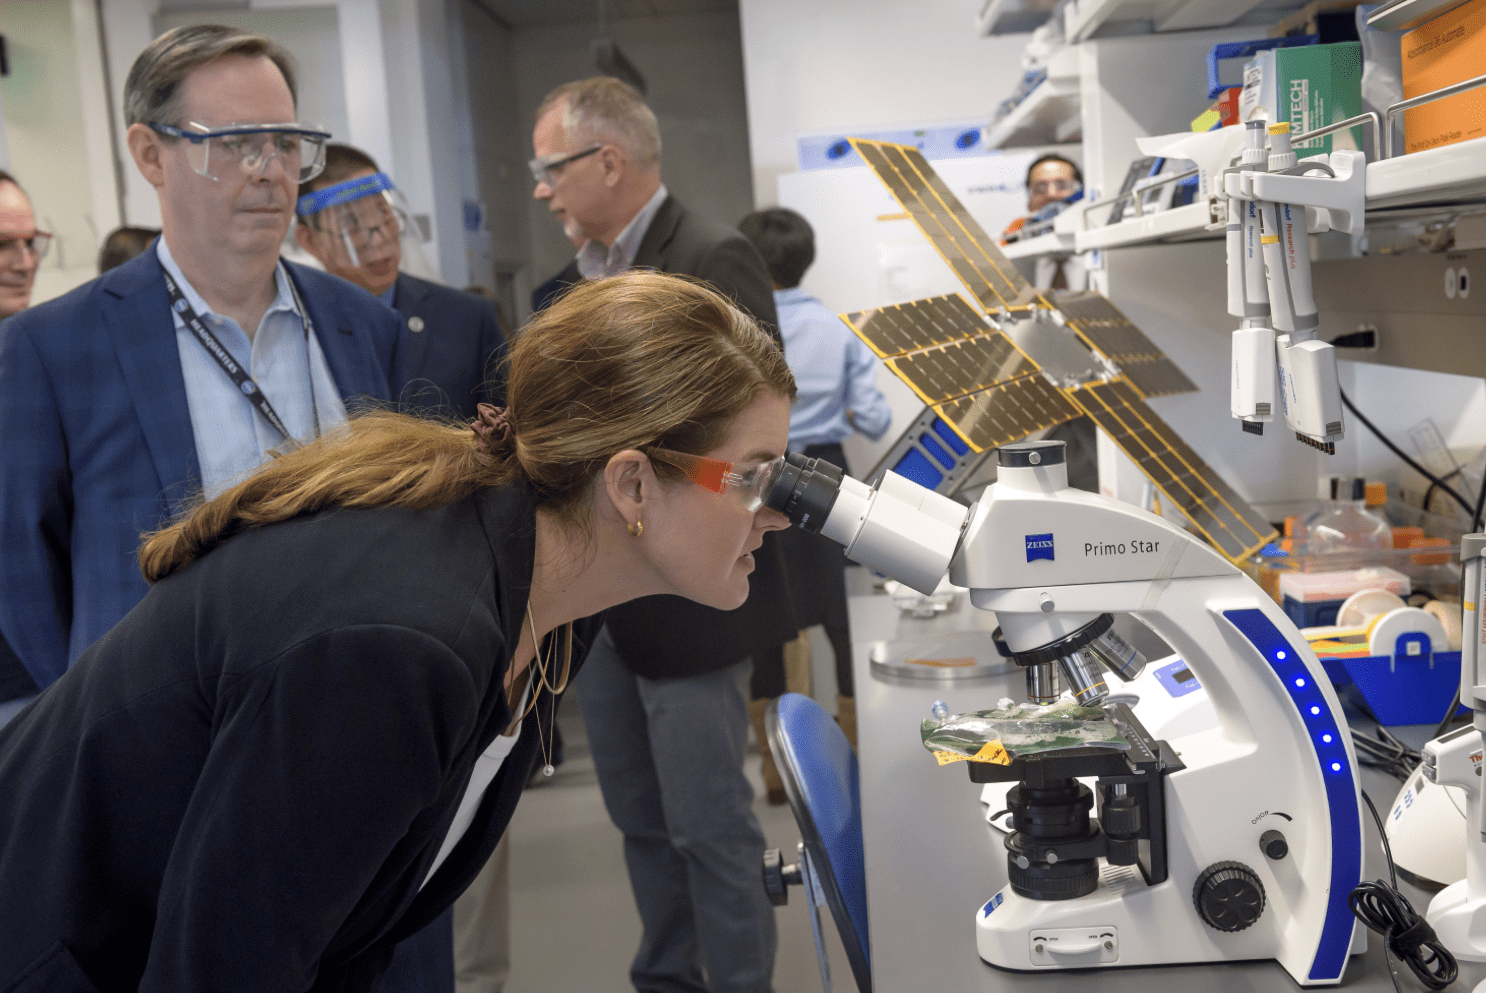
(486, 766)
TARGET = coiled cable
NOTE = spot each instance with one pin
(1386, 911)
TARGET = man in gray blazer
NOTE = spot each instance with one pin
(664, 689)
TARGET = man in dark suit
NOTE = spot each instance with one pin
(353, 220)
(663, 692)
(114, 412)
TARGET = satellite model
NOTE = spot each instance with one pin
(1033, 361)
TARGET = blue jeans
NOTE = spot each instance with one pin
(669, 756)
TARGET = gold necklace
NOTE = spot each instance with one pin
(541, 683)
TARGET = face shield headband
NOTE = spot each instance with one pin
(358, 212)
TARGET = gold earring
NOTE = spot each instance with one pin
(636, 529)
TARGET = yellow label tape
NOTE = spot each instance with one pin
(992, 752)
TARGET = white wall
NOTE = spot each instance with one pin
(823, 65)
(47, 139)
(694, 71)
(496, 147)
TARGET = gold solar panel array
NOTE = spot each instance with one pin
(1103, 328)
(1008, 411)
(986, 272)
(904, 327)
(992, 393)
(971, 373)
(1219, 513)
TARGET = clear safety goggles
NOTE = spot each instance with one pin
(362, 216)
(547, 168)
(246, 149)
(36, 243)
(1060, 187)
(747, 482)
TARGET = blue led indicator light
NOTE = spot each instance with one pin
(1336, 767)
(1326, 738)
(1280, 655)
(1315, 710)
(1300, 681)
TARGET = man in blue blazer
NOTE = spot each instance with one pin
(356, 223)
(184, 368)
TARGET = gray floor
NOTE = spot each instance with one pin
(573, 923)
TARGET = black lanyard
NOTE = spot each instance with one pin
(229, 365)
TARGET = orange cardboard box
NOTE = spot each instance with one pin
(1449, 49)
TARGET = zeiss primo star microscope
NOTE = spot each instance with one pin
(1243, 845)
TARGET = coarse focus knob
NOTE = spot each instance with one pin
(1229, 896)
(1273, 844)
(778, 877)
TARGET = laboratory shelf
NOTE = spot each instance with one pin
(1450, 174)
(1179, 223)
(1051, 243)
(1049, 115)
(1084, 17)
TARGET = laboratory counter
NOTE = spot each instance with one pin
(932, 859)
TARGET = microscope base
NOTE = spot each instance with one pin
(1459, 919)
(1113, 927)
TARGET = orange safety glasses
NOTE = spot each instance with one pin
(748, 482)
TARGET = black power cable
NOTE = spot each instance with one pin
(1449, 490)
(1386, 911)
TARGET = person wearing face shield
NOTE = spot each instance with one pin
(186, 367)
(357, 224)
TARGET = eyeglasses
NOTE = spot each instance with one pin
(1045, 186)
(545, 169)
(218, 153)
(748, 482)
(36, 243)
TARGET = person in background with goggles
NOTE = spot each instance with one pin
(356, 223)
(186, 367)
(1053, 182)
(310, 735)
(664, 696)
(22, 247)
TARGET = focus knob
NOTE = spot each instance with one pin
(1229, 896)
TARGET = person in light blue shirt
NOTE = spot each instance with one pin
(835, 373)
(834, 369)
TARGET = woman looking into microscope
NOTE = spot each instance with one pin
(307, 739)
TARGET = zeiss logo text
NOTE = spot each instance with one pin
(1039, 546)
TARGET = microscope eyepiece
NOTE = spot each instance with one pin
(805, 491)
(1025, 454)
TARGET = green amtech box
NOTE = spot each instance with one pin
(1310, 86)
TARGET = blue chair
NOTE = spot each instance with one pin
(819, 770)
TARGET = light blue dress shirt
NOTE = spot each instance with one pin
(834, 371)
(232, 438)
(595, 261)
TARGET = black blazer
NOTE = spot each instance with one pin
(452, 353)
(667, 636)
(546, 295)
(243, 784)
